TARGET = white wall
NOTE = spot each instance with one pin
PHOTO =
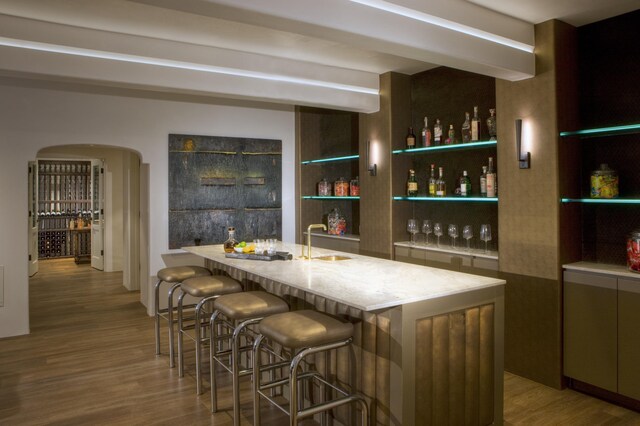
(32, 118)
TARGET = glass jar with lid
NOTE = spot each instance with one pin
(604, 182)
(633, 251)
(341, 188)
(354, 187)
(324, 188)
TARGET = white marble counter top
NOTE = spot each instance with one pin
(602, 268)
(462, 251)
(363, 282)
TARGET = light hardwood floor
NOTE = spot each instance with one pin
(90, 360)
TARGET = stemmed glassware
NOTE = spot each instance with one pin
(427, 228)
(467, 234)
(412, 228)
(453, 233)
(438, 231)
(485, 235)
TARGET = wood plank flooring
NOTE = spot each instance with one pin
(90, 360)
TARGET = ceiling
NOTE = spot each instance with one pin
(296, 52)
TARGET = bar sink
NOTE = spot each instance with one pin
(332, 258)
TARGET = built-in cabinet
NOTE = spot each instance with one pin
(601, 333)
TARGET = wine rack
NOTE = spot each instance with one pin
(64, 205)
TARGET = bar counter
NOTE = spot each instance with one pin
(428, 347)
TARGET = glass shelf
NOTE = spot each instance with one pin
(602, 200)
(604, 131)
(331, 159)
(450, 199)
(459, 146)
(318, 197)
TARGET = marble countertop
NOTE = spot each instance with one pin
(363, 282)
(602, 268)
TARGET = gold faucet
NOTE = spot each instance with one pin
(312, 226)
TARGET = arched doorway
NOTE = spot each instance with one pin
(125, 215)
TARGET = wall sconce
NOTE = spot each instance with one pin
(524, 159)
(372, 167)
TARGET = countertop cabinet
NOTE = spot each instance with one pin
(629, 337)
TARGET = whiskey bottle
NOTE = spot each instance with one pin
(437, 133)
(491, 125)
(411, 139)
(441, 185)
(475, 125)
(491, 179)
(483, 182)
(465, 185)
(432, 181)
(426, 133)
(412, 184)
(231, 241)
(466, 129)
(451, 139)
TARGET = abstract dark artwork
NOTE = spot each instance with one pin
(216, 182)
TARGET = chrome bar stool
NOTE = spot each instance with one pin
(173, 276)
(305, 333)
(206, 289)
(233, 314)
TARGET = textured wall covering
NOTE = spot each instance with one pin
(217, 182)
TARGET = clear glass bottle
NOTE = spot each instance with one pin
(475, 126)
(466, 129)
(437, 133)
(441, 185)
(426, 134)
(483, 182)
(491, 125)
(412, 184)
(231, 241)
(432, 181)
(451, 139)
(411, 139)
(465, 185)
(492, 179)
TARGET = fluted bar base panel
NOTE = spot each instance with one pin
(438, 361)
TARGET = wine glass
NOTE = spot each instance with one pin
(467, 234)
(427, 228)
(485, 235)
(453, 233)
(438, 231)
(412, 228)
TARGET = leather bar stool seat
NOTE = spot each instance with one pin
(236, 312)
(173, 276)
(305, 332)
(207, 289)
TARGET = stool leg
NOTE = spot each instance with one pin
(156, 301)
(235, 363)
(256, 379)
(180, 355)
(172, 351)
(293, 388)
(198, 337)
(212, 363)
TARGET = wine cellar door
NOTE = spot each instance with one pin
(33, 218)
(97, 209)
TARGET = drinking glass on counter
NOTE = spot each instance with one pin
(427, 228)
(271, 246)
(453, 233)
(412, 228)
(467, 234)
(438, 232)
(485, 235)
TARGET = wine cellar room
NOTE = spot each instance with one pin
(86, 205)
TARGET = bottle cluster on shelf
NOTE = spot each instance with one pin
(339, 188)
(437, 186)
(471, 130)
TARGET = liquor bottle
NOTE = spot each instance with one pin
(465, 185)
(466, 129)
(426, 133)
(411, 139)
(412, 184)
(492, 178)
(483, 182)
(437, 133)
(231, 241)
(451, 139)
(441, 185)
(491, 124)
(432, 181)
(475, 125)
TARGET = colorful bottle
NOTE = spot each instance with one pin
(483, 182)
(432, 181)
(475, 125)
(231, 241)
(491, 179)
(441, 185)
(437, 133)
(426, 134)
(451, 139)
(411, 139)
(465, 185)
(466, 129)
(412, 184)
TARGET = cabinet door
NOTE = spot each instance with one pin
(590, 329)
(629, 337)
